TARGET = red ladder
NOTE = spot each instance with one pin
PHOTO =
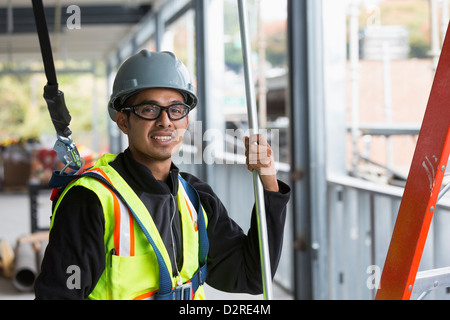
(421, 190)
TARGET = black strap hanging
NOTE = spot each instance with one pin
(64, 147)
(44, 41)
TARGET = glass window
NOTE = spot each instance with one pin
(268, 36)
(399, 46)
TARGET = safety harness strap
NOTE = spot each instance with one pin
(44, 41)
(187, 290)
(55, 98)
(64, 146)
(203, 237)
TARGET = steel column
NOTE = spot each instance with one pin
(299, 146)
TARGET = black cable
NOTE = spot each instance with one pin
(44, 41)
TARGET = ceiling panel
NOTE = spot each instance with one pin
(104, 24)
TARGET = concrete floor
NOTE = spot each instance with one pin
(15, 221)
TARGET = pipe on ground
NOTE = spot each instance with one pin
(25, 267)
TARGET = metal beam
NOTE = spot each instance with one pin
(383, 129)
(299, 99)
(200, 7)
(317, 146)
(31, 71)
(23, 19)
(308, 147)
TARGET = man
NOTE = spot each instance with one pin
(126, 241)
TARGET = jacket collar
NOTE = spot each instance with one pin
(141, 179)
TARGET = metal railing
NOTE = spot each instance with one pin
(361, 218)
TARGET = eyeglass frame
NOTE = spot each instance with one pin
(161, 109)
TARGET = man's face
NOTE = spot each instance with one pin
(148, 139)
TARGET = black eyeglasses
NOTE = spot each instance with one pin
(151, 111)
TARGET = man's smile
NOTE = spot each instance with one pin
(162, 138)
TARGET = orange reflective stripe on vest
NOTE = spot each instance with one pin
(124, 243)
(190, 206)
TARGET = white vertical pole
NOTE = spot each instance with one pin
(354, 75)
(254, 128)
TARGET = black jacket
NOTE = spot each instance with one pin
(77, 234)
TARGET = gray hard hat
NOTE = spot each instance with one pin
(146, 70)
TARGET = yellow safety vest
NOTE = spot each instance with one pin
(132, 268)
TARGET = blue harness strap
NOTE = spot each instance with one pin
(166, 292)
(203, 237)
(185, 292)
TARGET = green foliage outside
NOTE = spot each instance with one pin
(24, 113)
